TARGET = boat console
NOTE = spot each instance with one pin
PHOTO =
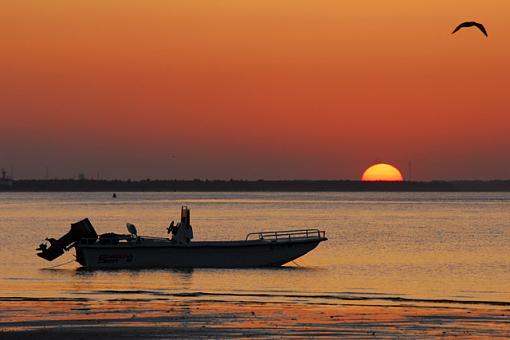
(182, 232)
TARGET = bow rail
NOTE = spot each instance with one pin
(287, 235)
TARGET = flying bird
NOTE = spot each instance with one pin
(471, 24)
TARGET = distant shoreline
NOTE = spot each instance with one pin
(86, 185)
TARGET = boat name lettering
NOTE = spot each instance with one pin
(114, 258)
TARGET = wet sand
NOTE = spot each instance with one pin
(138, 318)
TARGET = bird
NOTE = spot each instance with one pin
(471, 24)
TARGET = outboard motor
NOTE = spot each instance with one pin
(78, 231)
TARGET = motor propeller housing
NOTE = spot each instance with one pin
(79, 230)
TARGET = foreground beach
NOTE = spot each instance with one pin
(135, 318)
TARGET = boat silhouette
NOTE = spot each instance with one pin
(110, 250)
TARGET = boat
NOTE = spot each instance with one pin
(124, 251)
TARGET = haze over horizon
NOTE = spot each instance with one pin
(253, 89)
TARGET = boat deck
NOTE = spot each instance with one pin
(255, 239)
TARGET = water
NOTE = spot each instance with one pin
(383, 248)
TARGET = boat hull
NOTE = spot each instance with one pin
(232, 254)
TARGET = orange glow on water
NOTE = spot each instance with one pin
(382, 172)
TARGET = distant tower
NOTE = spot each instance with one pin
(3, 174)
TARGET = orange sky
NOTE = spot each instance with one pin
(253, 89)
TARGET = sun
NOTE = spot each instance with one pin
(382, 172)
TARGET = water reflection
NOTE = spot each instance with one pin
(417, 245)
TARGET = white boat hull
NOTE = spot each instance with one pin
(165, 254)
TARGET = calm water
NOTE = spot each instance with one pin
(416, 246)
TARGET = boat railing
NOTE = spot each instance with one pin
(287, 235)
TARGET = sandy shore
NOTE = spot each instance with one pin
(133, 318)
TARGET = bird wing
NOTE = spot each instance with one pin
(469, 24)
(482, 28)
(464, 24)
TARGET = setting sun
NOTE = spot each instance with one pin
(382, 172)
